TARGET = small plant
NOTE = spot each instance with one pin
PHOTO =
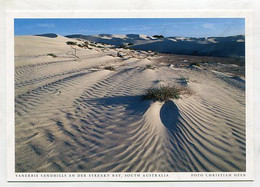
(149, 66)
(195, 64)
(80, 45)
(83, 45)
(184, 79)
(125, 46)
(95, 67)
(52, 55)
(111, 68)
(92, 44)
(158, 36)
(71, 43)
(119, 55)
(164, 93)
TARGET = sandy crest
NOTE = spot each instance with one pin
(76, 116)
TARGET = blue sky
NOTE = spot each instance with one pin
(186, 27)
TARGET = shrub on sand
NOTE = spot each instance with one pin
(158, 36)
(184, 79)
(71, 43)
(149, 66)
(164, 93)
(119, 55)
(123, 46)
(52, 55)
(80, 45)
(111, 68)
(203, 61)
(83, 45)
(195, 64)
(95, 67)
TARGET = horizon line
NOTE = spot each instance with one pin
(129, 34)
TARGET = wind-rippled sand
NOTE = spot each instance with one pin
(76, 116)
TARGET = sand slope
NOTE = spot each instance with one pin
(76, 116)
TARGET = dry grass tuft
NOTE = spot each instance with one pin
(184, 80)
(164, 93)
(195, 64)
(111, 68)
(149, 66)
(52, 55)
(71, 43)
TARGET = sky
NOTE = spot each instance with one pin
(185, 27)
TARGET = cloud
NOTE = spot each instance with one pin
(46, 25)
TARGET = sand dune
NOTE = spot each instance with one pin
(231, 46)
(74, 115)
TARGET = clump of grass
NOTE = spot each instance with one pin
(111, 68)
(158, 36)
(95, 67)
(123, 47)
(149, 66)
(92, 44)
(71, 43)
(83, 45)
(203, 61)
(195, 64)
(164, 93)
(119, 55)
(184, 79)
(52, 55)
(80, 45)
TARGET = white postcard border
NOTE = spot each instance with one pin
(171, 176)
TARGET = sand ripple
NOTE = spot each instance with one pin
(72, 118)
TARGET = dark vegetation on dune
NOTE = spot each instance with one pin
(158, 36)
(111, 68)
(195, 64)
(164, 93)
(48, 35)
(71, 43)
(149, 66)
(52, 55)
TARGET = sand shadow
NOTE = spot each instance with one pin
(134, 105)
(169, 115)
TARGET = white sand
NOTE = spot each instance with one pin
(76, 116)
